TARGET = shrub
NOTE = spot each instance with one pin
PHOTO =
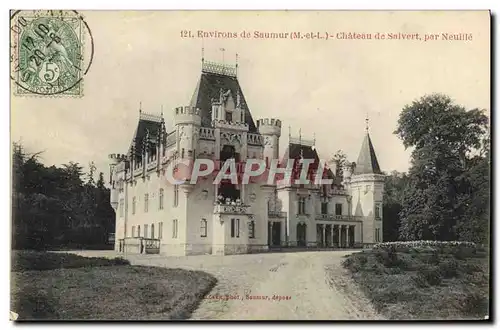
(449, 268)
(427, 277)
(404, 246)
(474, 304)
(362, 259)
(35, 260)
(388, 257)
(470, 268)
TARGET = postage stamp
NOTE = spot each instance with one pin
(48, 52)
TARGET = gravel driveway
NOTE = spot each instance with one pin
(271, 286)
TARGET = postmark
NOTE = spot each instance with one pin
(51, 51)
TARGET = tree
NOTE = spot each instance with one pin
(52, 206)
(437, 200)
(395, 184)
(339, 160)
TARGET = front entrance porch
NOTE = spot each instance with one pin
(274, 233)
(341, 236)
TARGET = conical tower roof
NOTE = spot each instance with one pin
(367, 161)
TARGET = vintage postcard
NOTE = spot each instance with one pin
(250, 165)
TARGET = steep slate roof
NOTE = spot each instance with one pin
(367, 160)
(143, 126)
(294, 152)
(209, 87)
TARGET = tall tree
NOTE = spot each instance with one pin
(52, 206)
(339, 160)
(445, 136)
(395, 185)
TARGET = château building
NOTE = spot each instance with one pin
(156, 216)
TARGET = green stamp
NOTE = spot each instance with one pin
(48, 54)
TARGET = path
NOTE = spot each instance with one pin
(312, 286)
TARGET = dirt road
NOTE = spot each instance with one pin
(272, 286)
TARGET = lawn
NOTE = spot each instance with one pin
(58, 286)
(424, 283)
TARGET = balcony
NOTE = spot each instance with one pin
(333, 217)
(231, 208)
(337, 192)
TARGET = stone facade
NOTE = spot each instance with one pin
(154, 215)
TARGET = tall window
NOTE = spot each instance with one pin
(229, 116)
(302, 205)
(160, 230)
(146, 203)
(138, 231)
(377, 234)
(235, 227)
(324, 208)
(146, 231)
(133, 205)
(152, 231)
(161, 199)
(182, 153)
(133, 231)
(122, 206)
(176, 195)
(174, 228)
(378, 211)
(203, 227)
(338, 209)
(251, 229)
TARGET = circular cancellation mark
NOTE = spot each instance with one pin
(50, 52)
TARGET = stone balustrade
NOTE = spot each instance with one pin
(231, 208)
(207, 133)
(333, 217)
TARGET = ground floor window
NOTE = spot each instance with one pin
(152, 231)
(203, 227)
(235, 227)
(160, 230)
(174, 228)
(133, 231)
(377, 235)
(138, 231)
(251, 229)
(146, 231)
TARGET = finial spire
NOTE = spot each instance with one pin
(140, 106)
(236, 64)
(367, 120)
(161, 113)
(289, 133)
(300, 136)
(314, 138)
(222, 50)
(202, 51)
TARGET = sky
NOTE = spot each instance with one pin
(325, 88)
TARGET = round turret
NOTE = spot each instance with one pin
(187, 115)
(117, 158)
(269, 126)
(347, 169)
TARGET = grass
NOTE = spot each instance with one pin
(78, 288)
(424, 283)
